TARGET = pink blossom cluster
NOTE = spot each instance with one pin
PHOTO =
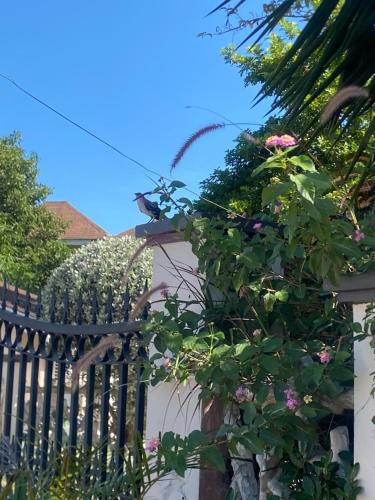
(282, 141)
(325, 357)
(153, 445)
(358, 235)
(291, 402)
(164, 293)
(242, 394)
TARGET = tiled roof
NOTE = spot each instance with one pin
(128, 232)
(80, 227)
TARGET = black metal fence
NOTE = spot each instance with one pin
(41, 411)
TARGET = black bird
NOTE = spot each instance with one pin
(150, 208)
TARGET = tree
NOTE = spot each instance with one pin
(234, 185)
(334, 47)
(98, 266)
(29, 233)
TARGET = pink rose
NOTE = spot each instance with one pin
(153, 445)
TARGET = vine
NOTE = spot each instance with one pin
(271, 343)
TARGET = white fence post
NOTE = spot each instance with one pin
(170, 407)
(360, 291)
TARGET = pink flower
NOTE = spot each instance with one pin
(358, 235)
(242, 394)
(282, 141)
(289, 393)
(257, 332)
(292, 404)
(164, 293)
(286, 140)
(277, 209)
(257, 226)
(273, 140)
(166, 362)
(153, 445)
(325, 357)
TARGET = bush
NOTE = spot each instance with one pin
(99, 265)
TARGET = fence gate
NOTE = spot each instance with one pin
(41, 413)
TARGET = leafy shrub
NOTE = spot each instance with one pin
(98, 266)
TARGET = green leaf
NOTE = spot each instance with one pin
(256, 445)
(262, 394)
(308, 486)
(304, 162)
(342, 373)
(308, 411)
(177, 184)
(274, 163)
(273, 191)
(270, 363)
(213, 457)
(292, 221)
(305, 186)
(272, 344)
(249, 412)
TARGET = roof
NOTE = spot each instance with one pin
(128, 232)
(80, 227)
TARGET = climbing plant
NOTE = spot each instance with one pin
(275, 348)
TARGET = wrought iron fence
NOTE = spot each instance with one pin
(41, 412)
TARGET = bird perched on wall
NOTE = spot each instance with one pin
(150, 208)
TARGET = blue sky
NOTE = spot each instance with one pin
(125, 69)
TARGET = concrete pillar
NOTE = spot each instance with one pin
(170, 407)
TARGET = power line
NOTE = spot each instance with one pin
(114, 148)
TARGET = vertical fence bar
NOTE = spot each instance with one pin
(20, 402)
(73, 417)
(89, 410)
(9, 389)
(32, 411)
(46, 413)
(122, 404)
(60, 401)
(104, 419)
(140, 394)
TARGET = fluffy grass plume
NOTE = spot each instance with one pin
(340, 99)
(190, 141)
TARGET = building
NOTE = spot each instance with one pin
(80, 230)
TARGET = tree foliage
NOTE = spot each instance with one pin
(333, 47)
(234, 185)
(29, 233)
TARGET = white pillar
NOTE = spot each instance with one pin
(364, 410)
(171, 408)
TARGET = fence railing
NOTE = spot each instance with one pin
(41, 411)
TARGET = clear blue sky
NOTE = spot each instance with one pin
(125, 69)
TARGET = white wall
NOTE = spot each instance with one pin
(165, 408)
(364, 410)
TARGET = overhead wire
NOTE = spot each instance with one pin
(117, 150)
